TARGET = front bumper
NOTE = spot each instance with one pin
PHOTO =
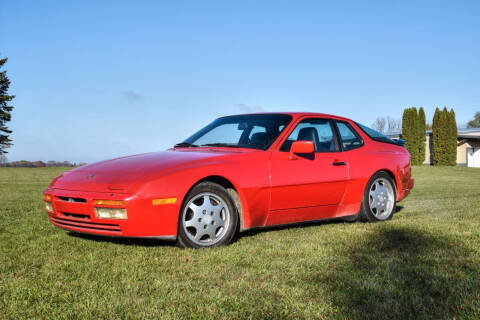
(74, 210)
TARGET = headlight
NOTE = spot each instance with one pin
(111, 213)
(48, 207)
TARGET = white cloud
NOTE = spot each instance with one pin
(131, 95)
(246, 108)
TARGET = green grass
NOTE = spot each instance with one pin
(425, 263)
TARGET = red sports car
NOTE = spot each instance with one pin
(237, 173)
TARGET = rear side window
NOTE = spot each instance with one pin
(375, 135)
(350, 138)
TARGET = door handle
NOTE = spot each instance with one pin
(339, 163)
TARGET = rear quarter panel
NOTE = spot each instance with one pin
(364, 162)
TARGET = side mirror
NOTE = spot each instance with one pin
(301, 147)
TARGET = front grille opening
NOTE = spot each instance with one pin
(87, 226)
(70, 199)
(76, 215)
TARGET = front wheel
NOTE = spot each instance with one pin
(208, 217)
(379, 199)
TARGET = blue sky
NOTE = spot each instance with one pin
(101, 79)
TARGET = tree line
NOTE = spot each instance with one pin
(444, 136)
(38, 164)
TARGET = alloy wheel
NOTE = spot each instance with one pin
(206, 219)
(381, 198)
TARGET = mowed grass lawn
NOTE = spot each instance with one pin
(425, 263)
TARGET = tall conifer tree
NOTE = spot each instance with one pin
(436, 138)
(415, 140)
(410, 128)
(407, 132)
(5, 109)
(422, 127)
(452, 139)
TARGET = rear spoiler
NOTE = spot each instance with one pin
(399, 142)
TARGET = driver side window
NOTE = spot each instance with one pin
(319, 131)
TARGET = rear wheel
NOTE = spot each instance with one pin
(208, 217)
(379, 199)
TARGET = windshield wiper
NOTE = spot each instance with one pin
(228, 145)
(185, 145)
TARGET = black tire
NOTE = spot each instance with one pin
(367, 214)
(352, 218)
(216, 191)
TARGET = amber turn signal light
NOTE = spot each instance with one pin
(109, 202)
(157, 202)
(47, 197)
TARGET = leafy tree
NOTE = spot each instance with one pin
(5, 109)
(475, 123)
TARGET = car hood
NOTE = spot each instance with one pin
(124, 175)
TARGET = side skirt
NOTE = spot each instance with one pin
(302, 223)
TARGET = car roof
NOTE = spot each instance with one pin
(294, 114)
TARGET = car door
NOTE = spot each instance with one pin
(311, 180)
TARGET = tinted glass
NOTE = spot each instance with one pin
(350, 139)
(225, 133)
(319, 131)
(256, 131)
(375, 135)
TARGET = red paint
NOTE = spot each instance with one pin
(301, 147)
(273, 188)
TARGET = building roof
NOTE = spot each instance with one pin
(466, 130)
(469, 136)
(467, 133)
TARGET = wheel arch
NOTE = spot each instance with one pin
(394, 179)
(231, 190)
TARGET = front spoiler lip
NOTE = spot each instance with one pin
(166, 238)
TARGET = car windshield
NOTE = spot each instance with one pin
(257, 131)
(375, 135)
